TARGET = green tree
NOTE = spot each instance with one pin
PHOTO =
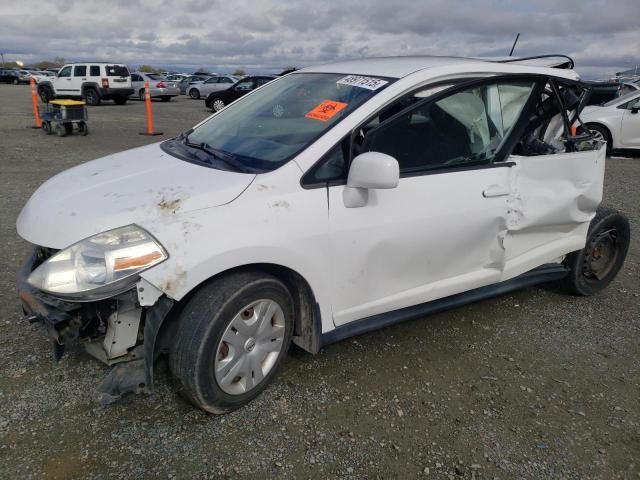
(148, 69)
(239, 72)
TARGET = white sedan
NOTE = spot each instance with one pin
(616, 122)
(329, 202)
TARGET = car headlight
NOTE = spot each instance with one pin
(100, 266)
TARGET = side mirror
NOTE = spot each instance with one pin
(369, 170)
(634, 110)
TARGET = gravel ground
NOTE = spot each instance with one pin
(534, 384)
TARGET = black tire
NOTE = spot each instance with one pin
(60, 130)
(46, 94)
(165, 98)
(16, 81)
(83, 129)
(91, 97)
(597, 264)
(201, 326)
(603, 132)
(68, 127)
(141, 95)
(46, 128)
(120, 100)
(194, 93)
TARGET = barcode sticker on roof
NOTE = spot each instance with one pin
(370, 83)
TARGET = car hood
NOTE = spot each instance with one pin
(135, 186)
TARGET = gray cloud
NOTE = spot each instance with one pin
(603, 36)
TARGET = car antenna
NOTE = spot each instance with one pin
(514, 44)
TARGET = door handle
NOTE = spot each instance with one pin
(495, 191)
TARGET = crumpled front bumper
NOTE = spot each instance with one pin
(70, 321)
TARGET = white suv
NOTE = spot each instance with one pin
(331, 201)
(92, 81)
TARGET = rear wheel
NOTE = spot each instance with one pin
(230, 340)
(68, 128)
(598, 263)
(194, 93)
(91, 97)
(60, 130)
(46, 127)
(120, 100)
(16, 81)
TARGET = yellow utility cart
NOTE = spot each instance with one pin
(60, 116)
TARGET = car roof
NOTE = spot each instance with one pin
(398, 67)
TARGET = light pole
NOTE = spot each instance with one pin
(2, 55)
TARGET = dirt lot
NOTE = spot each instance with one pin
(534, 384)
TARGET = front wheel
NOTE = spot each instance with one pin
(231, 338)
(217, 104)
(602, 135)
(597, 264)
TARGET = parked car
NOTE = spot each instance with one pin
(92, 81)
(40, 75)
(332, 201)
(24, 76)
(202, 89)
(217, 100)
(603, 92)
(190, 80)
(178, 77)
(160, 86)
(9, 76)
(616, 122)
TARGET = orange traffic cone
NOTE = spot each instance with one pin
(34, 101)
(147, 103)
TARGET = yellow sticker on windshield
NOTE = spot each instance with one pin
(326, 110)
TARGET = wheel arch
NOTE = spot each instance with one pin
(307, 326)
(607, 128)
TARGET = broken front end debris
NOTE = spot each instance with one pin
(120, 331)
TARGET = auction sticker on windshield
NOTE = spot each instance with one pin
(370, 83)
(326, 110)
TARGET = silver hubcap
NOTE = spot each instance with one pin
(250, 347)
(598, 135)
(218, 105)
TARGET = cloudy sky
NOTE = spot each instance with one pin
(603, 36)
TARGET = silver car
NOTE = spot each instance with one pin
(213, 84)
(160, 86)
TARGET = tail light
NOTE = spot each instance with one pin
(105, 83)
(160, 85)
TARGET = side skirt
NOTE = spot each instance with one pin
(542, 274)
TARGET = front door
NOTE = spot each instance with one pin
(63, 82)
(630, 127)
(439, 232)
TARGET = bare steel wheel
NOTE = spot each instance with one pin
(597, 264)
(250, 346)
(231, 337)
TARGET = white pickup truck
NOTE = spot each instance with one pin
(92, 81)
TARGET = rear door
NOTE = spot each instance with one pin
(79, 77)
(554, 188)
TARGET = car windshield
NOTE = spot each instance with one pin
(267, 128)
(117, 71)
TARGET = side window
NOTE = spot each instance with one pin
(226, 80)
(332, 167)
(262, 81)
(135, 77)
(633, 104)
(65, 72)
(464, 128)
(80, 71)
(246, 85)
(94, 70)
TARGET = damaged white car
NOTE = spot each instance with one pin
(330, 202)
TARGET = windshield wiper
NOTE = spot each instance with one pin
(225, 157)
